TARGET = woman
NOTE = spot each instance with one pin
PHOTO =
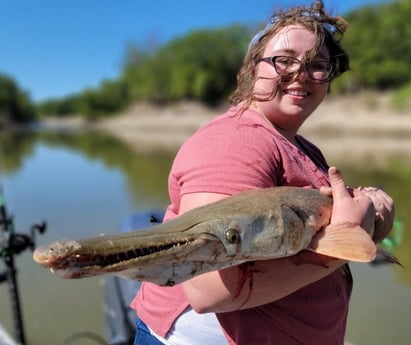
(298, 300)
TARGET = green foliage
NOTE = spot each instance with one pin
(62, 107)
(110, 97)
(15, 104)
(200, 66)
(379, 44)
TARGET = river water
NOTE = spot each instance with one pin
(85, 183)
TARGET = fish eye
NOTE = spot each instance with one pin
(233, 236)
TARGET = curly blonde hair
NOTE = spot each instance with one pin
(326, 28)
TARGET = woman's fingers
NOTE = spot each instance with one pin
(381, 199)
(352, 205)
(337, 183)
(328, 191)
(370, 207)
(385, 211)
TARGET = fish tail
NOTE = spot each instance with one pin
(388, 257)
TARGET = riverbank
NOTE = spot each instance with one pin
(358, 127)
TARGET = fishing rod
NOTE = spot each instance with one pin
(12, 244)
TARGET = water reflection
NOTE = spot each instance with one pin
(146, 174)
(84, 183)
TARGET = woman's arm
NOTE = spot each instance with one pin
(249, 285)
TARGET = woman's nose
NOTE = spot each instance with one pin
(302, 74)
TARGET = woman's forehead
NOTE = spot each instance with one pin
(295, 40)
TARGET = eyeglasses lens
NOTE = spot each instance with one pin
(317, 70)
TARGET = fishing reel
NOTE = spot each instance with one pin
(12, 243)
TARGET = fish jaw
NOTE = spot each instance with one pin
(193, 262)
(51, 255)
(165, 254)
(165, 263)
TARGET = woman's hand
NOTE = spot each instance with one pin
(384, 216)
(384, 209)
(350, 205)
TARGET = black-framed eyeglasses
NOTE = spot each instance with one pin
(288, 67)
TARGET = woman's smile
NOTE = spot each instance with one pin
(298, 93)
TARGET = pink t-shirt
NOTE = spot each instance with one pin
(229, 155)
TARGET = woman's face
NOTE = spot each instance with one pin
(296, 99)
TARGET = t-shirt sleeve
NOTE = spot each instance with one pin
(227, 157)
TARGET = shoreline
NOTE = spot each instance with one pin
(342, 127)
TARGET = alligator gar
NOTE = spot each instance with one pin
(254, 225)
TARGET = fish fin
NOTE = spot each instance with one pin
(388, 257)
(345, 241)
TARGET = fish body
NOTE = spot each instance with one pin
(254, 225)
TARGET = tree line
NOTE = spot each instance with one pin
(202, 66)
(15, 104)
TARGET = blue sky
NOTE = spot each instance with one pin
(53, 48)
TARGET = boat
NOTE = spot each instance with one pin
(5, 338)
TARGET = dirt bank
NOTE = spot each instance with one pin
(357, 127)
